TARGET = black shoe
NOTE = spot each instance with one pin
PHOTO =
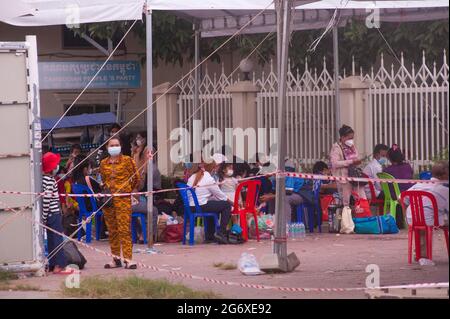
(221, 238)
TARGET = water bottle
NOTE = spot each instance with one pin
(288, 230)
(294, 231)
(45, 244)
(302, 232)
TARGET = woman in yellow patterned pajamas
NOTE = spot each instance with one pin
(119, 174)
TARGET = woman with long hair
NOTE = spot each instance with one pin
(211, 199)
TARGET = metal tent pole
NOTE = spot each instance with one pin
(197, 113)
(336, 73)
(149, 65)
(284, 14)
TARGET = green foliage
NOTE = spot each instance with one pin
(173, 42)
(134, 287)
(5, 276)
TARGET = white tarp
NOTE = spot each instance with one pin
(216, 17)
(344, 4)
(211, 4)
(57, 12)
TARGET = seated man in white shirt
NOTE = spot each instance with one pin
(440, 193)
(374, 167)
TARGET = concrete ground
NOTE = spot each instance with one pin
(327, 261)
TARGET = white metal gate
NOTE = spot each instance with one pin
(310, 112)
(215, 104)
(409, 107)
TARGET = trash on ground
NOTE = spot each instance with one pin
(248, 265)
(151, 251)
(426, 262)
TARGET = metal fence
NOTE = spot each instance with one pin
(214, 109)
(310, 112)
(409, 107)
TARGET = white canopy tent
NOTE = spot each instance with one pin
(221, 18)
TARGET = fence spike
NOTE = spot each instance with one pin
(353, 65)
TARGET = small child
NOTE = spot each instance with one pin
(228, 183)
(51, 213)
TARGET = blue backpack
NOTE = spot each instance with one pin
(376, 225)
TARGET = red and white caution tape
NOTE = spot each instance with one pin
(362, 179)
(239, 284)
(288, 174)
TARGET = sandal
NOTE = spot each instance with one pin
(64, 271)
(115, 264)
(130, 265)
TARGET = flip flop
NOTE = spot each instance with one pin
(64, 271)
(130, 266)
(115, 264)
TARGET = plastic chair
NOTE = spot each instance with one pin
(391, 194)
(253, 187)
(190, 215)
(418, 222)
(82, 189)
(143, 218)
(311, 209)
(374, 201)
(425, 175)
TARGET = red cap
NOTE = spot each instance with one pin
(50, 161)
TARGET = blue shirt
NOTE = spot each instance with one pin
(293, 184)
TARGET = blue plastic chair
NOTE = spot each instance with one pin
(425, 175)
(190, 215)
(134, 217)
(311, 208)
(82, 189)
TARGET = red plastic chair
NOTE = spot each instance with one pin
(253, 187)
(374, 201)
(418, 222)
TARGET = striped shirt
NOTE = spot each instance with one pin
(50, 200)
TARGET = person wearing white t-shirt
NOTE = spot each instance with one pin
(211, 199)
(374, 167)
(440, 192)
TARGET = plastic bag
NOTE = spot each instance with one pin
(265, 226)
(248, 265)
(426, 262)
(347, 224)
(199, 232)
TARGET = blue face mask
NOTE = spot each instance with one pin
(382, 161)
(188, 165)
(114, 150)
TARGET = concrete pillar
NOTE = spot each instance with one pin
(355, 112)
(166, 120)
(244, 112)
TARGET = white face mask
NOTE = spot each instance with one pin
(114, 150)
(90, 171)
(349, 143)
(230, 173)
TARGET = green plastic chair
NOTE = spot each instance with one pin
(391, 194)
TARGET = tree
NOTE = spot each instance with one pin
(173, 42)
